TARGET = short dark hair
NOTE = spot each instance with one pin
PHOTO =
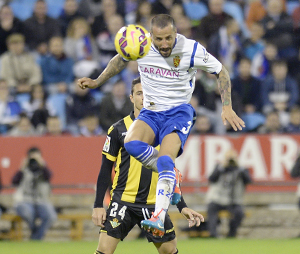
(273, 112)
(162, 20)
(90, 115)
(118, 81)
(270, 43)
(134, 82)
(53, 117)
(279, 62)
(42, 1)
(23, 115)
(228, 22)
(32, 88)
(295, 109)
(33, 149)
(245, 59)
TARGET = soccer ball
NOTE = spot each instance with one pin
(132, 42)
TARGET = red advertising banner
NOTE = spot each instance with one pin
(75, 161)
(268, 157)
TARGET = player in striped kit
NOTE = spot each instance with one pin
(167, 74)
(133, 190)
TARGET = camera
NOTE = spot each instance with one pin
(33, 165)
(232, 163)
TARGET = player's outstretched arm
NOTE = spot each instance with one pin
(228, 114)
(192, 216)
(115, 65)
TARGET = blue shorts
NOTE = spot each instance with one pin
(179, 119)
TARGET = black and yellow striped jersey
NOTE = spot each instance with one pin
(132, 182)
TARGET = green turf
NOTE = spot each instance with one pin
(194, 246)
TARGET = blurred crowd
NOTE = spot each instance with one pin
(46, 45)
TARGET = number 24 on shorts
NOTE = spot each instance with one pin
(113, 211)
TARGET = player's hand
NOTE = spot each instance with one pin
(229, 115)
(87, 83)
(193, 217)
(99, 216)
(38, 157)
(24, 163)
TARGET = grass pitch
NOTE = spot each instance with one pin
(189, 246)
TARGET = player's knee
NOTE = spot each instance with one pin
(165, 164)
(135, 148)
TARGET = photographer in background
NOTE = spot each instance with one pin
(3, 209)
(32, 195)
(0, 191)
(226, 190)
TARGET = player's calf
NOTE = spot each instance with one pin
(165, 186)
(167, 178)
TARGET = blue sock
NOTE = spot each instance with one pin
(143, 152)
(165, 168)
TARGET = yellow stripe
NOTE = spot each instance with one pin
(127, 121)
(134, 173)
(109, 157)
(117, 170)
(134, 177)
(152, 192)
(170, 230)
(110, 129)
(133, 181)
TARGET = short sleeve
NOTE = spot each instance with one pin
(111, 146)
(204, 60)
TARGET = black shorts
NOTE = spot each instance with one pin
(121, 218)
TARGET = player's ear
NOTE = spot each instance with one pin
(131, 98)
(175, 29)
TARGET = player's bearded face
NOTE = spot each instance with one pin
(164, 39)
